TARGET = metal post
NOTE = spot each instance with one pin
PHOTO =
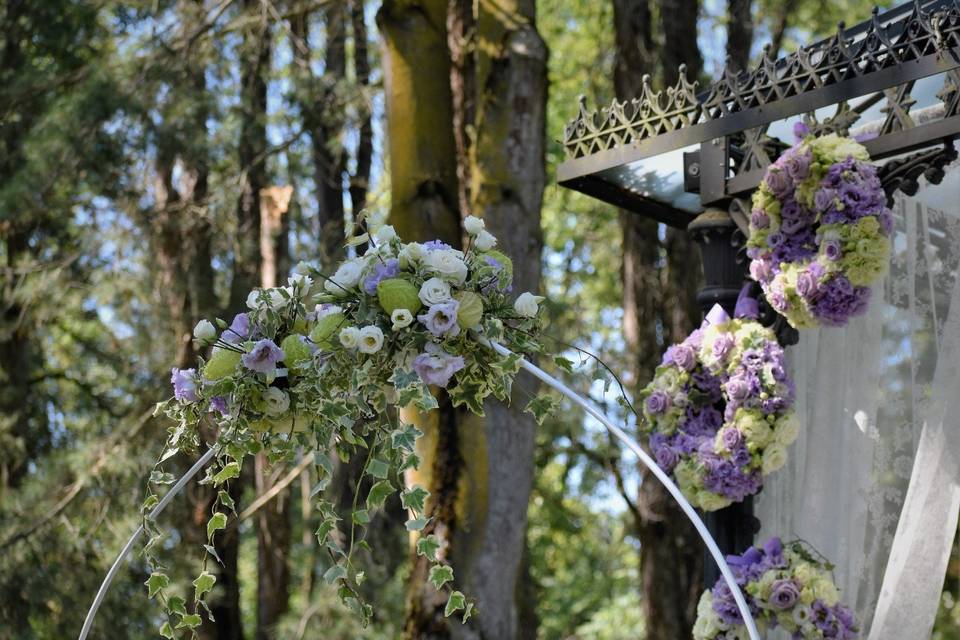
(725, 270)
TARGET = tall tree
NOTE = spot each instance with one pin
(739, 33)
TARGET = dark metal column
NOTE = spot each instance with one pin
(725, 271)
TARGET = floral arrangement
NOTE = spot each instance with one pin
(719, 409)
(786, 587)
(323, 363)
(819, 231)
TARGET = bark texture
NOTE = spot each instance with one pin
(739, 33)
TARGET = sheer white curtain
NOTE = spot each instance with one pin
(864, 395)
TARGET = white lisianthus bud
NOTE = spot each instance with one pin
(253, 299)
(300, 282)
(385, 234)
(447, 264)
(204, 330)
(277, 299)
(346, 277)
(401, 318)
(527, 304)
(473, 225)
(484, 240)
(371, 339)
(375, 220)
(350, 337)
(275, 401)
(434, 291)
(410, 255)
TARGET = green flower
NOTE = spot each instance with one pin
(326, 327)
(221, 364)
(397, 293)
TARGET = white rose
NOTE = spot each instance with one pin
(371, 339)
(528, 304)
(473, 225)
(411, 254)
(385, 234)
(349, 337)
(434, 291)
(787, 430)
(484, 241)
(401, 318)
(447, 264)
(346, 277)
(774, 457)
(204, 330)
(276, 401)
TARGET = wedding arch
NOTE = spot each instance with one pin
(874, 471)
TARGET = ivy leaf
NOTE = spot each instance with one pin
(230, 470)
(213, 552)
(417, 523)
(191, 621)
(378, 468)
(414, 498)
(440, 574)
(378, 494)
(177, 605)
(361, 516)
(156, 582)
(467, 612)
(151, 501)
(426, 402)
(428, 547)
(226, 500)
(325, 528)
(455, 602)
(161, 477)
(203, 584)
(402, 379)
(564, 363)
(541, 407)
(334, 573)
(166, 631)
(217, 521)
(405, 437)
(469, 393)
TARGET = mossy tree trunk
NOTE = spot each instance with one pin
(455, 109)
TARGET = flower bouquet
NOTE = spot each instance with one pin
(323, 363)
(719, 410)
(819, 231)
(786, 587)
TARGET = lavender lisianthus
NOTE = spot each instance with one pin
(381, 271)
(435, 245)
(219, 404)
(441, 319)
(184, 384)
(435, 366)
(263, 357)
(239, 329)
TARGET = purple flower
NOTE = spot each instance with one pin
(441, 319)
(731, 438)
(737, 388)
(838, 300)
(436, 366)
(807, 284)
(775, 239)
(833, 249)
(219, 403)
(263, 357)
(239, 329)
(759, 219)
(184, 384)
(685, 357)
(800, 131)
(667, 458)
(784, 594)
(381, 271)
(885, 218)
(779, 182)
(434, 245)
(823, 199)
(797, 164)
(722, 345)
(761, 270)
(658, 402)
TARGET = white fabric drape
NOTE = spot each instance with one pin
(864, 395)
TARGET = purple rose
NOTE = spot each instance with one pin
(239, 329)
(807, 284)
(667, 458)
(779, 182)
(381, 271)
(658, 402)
(797, 164)
(790, 210)
(184, 384)
(791, 226)
(759, 219)
(436, 366)
(731, 438)
(823, 199)
(441, 319)
(685, 357)
(737, 388)
(722, 345)
(833, 250)
(784, 594)
(263, 357)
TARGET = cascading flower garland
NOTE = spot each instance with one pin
(819, 231)
(719, 409)
(786, 587)
(322, 364)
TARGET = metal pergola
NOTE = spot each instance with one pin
(691, 159)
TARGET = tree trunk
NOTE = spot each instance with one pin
(739, 33)
(360, 180)
(507, 177)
